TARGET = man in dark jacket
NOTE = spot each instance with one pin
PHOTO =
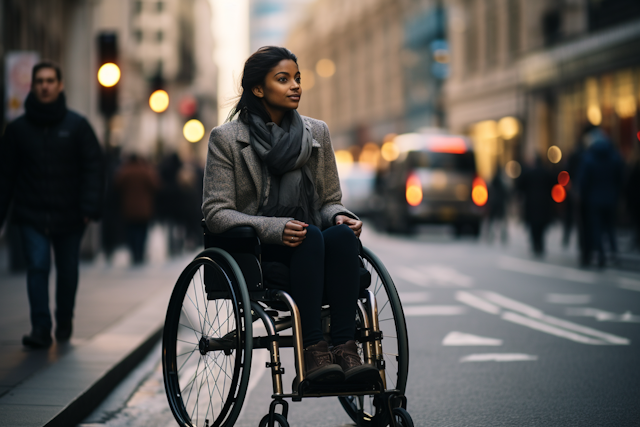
(600, 179)
(51, 168)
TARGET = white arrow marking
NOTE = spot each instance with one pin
(544, 327)
(434, 310)
(477, 302)
(460, 338)
(499, 357)
(568, 298)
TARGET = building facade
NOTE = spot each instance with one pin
(367, 67)
(553, 66)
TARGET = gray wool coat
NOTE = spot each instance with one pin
(235, 177)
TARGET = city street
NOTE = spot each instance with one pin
(496, 337)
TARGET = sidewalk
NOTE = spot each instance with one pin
(119, 316)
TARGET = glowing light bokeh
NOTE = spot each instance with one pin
(389, 151)
(554, 154)
(563, 178)
(558, 193)
(479, 193)
(594, 115)
(325, 68)
(509, 127)
(159, 101)
(193, 130)
(109, 74)
(414, 190)
(513, 169)
(369, 156)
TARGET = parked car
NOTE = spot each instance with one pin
(433, 180)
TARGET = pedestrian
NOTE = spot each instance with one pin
(633, 202)
(601, 178)
(498, 196)
(575, 210)
(137, 183)
(535, 186)
(51, 168)
(275, 170)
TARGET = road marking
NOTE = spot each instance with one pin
(629, 284)
(498, 357)
(603, 316)
(568, 298)
(549, 329)
(546, 270)
(534, 318)
(411, 297)
(460, 338)
(477, 302)
(435, 276)
(434, 310)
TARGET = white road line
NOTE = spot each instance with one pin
(498, 357)
(544, 327)
(456, 338)
(477, 302)
(412, 276)
(535, 313)
(603, 316)
(413, 297)
(629, 284)
(568, 299)
(546, 270)
(434, 310)
(435, 276)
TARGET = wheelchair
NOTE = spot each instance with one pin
(222, 308)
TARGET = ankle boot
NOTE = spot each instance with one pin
(346, 355)
(319, 364)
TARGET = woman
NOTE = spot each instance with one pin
(275, 171)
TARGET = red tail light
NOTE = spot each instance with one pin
(414, 190)
(479, 193)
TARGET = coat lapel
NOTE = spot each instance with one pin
(250, 157)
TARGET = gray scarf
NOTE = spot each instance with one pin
(285, 150)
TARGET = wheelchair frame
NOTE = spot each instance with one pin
(231, 272)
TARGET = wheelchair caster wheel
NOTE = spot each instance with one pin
(402, 417)
(278, 421)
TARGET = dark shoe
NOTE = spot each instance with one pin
(346, 355)
(39, 338)
(63, 332)
(319, 366)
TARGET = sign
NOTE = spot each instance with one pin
(18, 66)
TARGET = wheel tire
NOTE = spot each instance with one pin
(395, 343)
(402, 417)
(279, 420)
(208, 387)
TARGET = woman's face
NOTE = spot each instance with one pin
(281, 90)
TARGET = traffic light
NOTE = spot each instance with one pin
(108, 73)
(159, 98)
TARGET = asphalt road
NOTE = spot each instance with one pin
(497, 338)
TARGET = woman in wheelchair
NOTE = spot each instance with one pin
(274, 170)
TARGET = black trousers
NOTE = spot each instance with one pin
(324, 267)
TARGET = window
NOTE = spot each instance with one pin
(138, 36)
(138, 6)
(159, 36)
(491, 33)
(160, 6)
(471, 38)
(514, 28)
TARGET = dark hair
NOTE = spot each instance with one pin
(45, 64)
(254, 73)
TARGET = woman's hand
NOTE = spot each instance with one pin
(353, 224)
(294, 233)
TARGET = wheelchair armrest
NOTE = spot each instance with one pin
(243, 232)
(238, 239)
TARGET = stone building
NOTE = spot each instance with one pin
(366, 67)
(553, 66)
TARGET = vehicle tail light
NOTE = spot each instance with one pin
(414, 190)
(479, 193)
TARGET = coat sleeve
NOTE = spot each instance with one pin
(92, 171)
(332, 200)
(219, 199)
(8, 171)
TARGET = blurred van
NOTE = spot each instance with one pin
(432, 180)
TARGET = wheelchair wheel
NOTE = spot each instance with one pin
(395, 345)
(278, 421)
(402, 417)
(207, 343)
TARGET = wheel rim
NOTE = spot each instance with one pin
(394, 343)
(202, 385)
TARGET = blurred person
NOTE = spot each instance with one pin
(169, 201)
(274, 170)
(600, 179)
(137, 183)
(633, 201)
(498, 197)
(535, 186)
(51, 167)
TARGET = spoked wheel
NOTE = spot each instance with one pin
(206, 345)
(278, 421)
(395, 345)
(402, 417)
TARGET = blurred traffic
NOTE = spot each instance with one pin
(469, 115)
